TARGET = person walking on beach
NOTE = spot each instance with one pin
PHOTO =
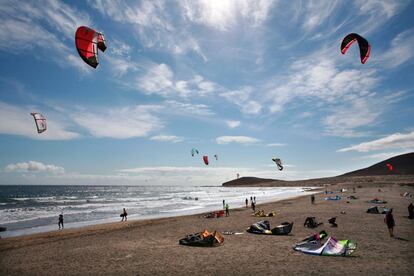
(60, 223)
(389, 220)
(254, 198)
(411, 211)
(224, 204)
(247, 203)
(254, 207)
(124, 215)
(312, 199)
(227, 210)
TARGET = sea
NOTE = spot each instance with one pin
(28, 209)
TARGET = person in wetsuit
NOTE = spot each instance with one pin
(389, 220)
(60, 223)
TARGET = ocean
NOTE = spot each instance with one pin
(27, 209)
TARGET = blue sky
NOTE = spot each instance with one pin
(246, 80)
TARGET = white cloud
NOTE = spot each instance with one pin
(16, 120)
(154, 24)
(400, 51)
(346, 119)
(222, 140)
(275, 145)
(242, 98)
(224, 14)
(120, 123)
(44, 25)
(158, 79)
(317, 12)
(166, 138)
(33, 166)
(396, 140)
(387, 155)
(233, 124)
(187, 109)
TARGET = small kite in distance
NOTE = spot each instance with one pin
(88, 41)
(278, 163)
(390, 167)
(40, 121)
(205, 159)
(216, 156)
(364, 47)
(194, 151)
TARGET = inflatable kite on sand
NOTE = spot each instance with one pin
(314, 245)
(205, 239)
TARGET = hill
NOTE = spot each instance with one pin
(402, 165)
(402, 173)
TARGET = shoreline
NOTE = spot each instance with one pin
(79, 226)
(150, 247)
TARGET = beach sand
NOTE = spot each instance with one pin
(151, 247)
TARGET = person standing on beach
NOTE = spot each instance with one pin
(312, 199)
(254, 198)
(60, 223)
(411, 211)
(124, 215)
(247, 203)
(227, 210)
(389, 220)
(254, 207)
(224, 204)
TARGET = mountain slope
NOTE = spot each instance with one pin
(402, 165)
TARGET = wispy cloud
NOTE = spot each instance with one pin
(166, 138)
(224, 14)
(386, 155)
(400, 51)
(33, 166)
(242, 98)
(120, 123)
(222, 140)
(275, 145)
(396, 140)
(44, 26)
(233, 124)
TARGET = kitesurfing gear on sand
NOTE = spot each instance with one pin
(332, 247)
(205, 239)
(310, 222)
(263, 227)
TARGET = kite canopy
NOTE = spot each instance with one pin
(204, 238)
(390, 167)
(88, 42)
(263, 227)
(278, 163)
(40, 122)
(216, 156)
(205, 159)
(364, 47)
(332, 247)
(194, 151)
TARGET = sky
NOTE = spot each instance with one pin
(243, 80)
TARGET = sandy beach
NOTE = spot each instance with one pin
(151, 247)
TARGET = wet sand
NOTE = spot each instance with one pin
(151, 247)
